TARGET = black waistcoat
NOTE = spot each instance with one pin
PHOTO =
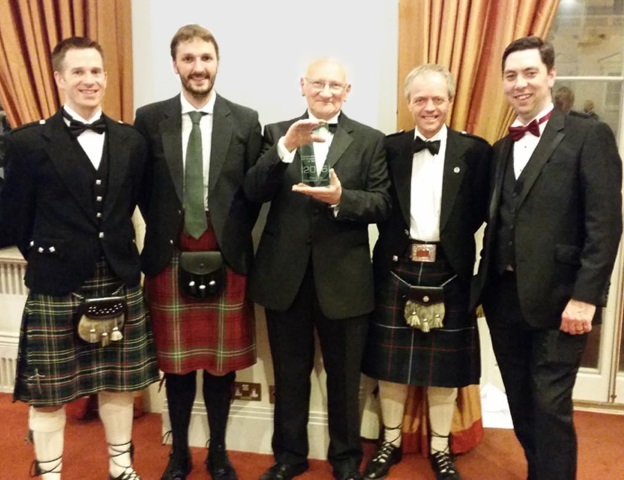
(505, 238)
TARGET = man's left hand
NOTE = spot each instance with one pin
(577, 316)
(330, 195)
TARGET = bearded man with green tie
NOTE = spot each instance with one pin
(198, 246)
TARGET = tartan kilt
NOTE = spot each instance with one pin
(396, 352)
(217, 334)
(55, 366)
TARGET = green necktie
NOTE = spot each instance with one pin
(194, 211)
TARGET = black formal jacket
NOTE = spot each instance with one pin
(48, 205)
(301, 231)
(465, 192)
(569, 220)
(236, 142)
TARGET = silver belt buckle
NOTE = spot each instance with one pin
(423, 252)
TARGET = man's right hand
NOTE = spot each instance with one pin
(301, 133)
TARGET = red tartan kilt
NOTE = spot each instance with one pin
(216, 334)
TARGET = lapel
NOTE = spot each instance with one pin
(170, 128)
(454, 171)
(118, 160)
(221, 136)
(401, 170)
(341, 141)
(550, 139)
(506, 147)
(70, 161)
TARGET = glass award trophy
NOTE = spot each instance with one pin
(310, 174)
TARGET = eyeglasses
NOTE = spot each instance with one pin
(319, 85)
(422, 101)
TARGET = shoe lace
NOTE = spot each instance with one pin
(36, 470)
(383, 454)
(387, 447)
(444, 462)
(130, 474)
(120, 449)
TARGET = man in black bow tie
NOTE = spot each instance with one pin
(77, 128)
(440, 180)
(68, 204)
(553, 231)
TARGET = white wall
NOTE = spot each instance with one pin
(264, 49)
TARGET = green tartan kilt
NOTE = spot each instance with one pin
(55, 366)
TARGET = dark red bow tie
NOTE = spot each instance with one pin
(532, 127)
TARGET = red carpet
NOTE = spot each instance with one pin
(497, 457)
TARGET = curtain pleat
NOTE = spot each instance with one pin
(468, 37)
(29, 30)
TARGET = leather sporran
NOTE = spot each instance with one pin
(201, 275)
(424, 308)
(101, 320)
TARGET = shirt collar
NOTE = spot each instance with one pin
(334, 119)
(518, 123)
(441, 135)
(207, 109)
(80, 118)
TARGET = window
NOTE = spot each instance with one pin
(588, 36)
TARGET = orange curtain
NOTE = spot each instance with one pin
(468, 37)
(29, 30)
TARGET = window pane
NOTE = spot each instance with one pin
(603, 95)
(588, 37)
(591, 355)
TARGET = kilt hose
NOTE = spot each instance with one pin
(216, 334)
(55, 366)
(396, 352)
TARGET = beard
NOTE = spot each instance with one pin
(196, 91)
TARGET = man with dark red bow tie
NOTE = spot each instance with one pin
(553, 232)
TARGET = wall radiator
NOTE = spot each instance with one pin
(12, 297)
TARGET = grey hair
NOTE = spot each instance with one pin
(426, 69)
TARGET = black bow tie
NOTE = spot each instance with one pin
(332, 127)
(76, 128)
(419, 144)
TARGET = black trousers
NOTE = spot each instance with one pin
(539, 368)
(291, 337)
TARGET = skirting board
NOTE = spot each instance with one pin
(250, 428)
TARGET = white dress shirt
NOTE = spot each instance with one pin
(524, 148)
(92, 143)
(426, 190)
